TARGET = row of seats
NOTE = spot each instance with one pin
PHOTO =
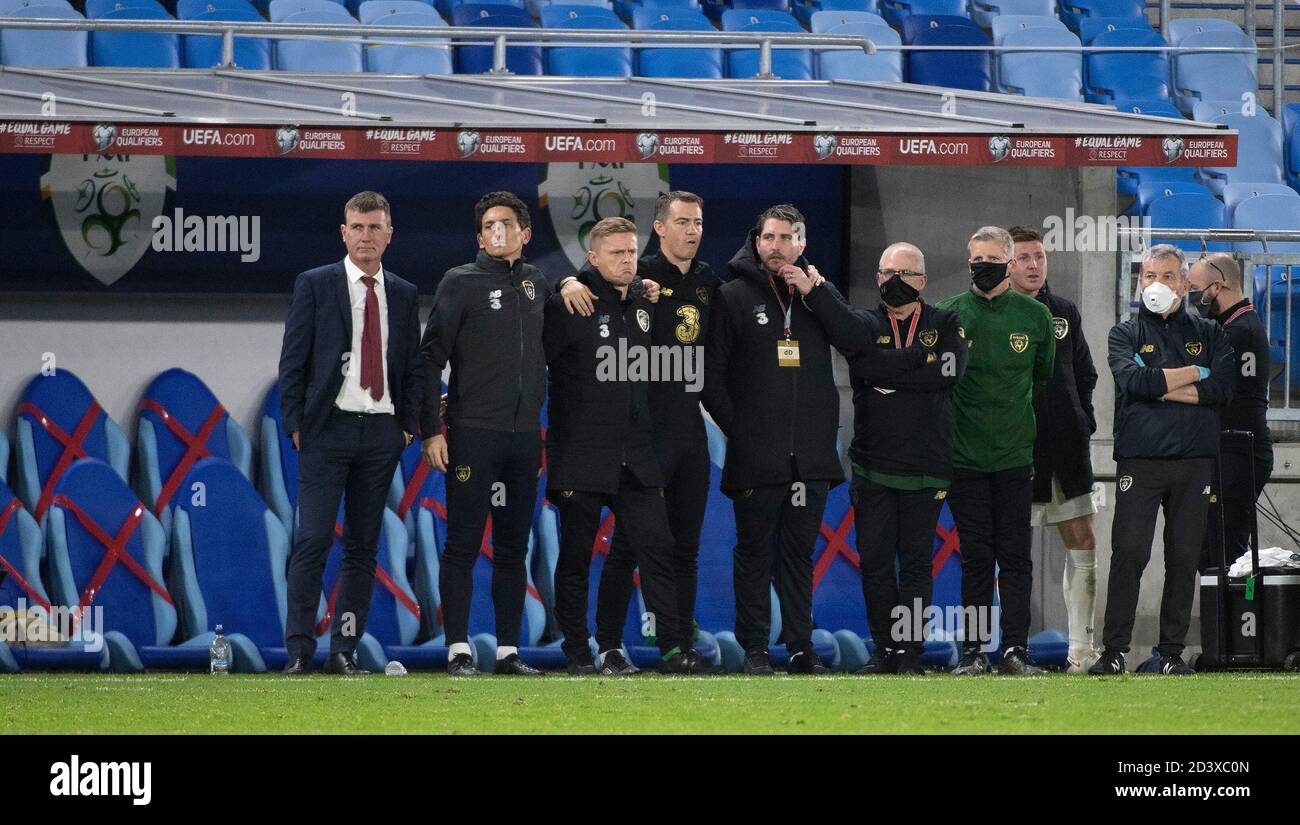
(196, 544)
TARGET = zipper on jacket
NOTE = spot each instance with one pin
(519, 373)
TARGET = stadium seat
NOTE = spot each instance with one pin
(107, 551)
(806, 11)
(10, 8)
(916, 24)
(1004, 24)
(1151, 190)
(181, 421)
(281, 9)
(1213, 75)
(845, 64)
(66, 49)
(985, 12)
(97, 9)
(665, 62)
(825, 20)
(425, 58)
(1291, 135)
(1075, 11)
(959, 70)
(191, 9)
(593, 60)
(787, 63)
(371, 10)
(1090, 27)
(1151, 108)
(277, 462)
(339, 55)
(1057, 75)
(1259, 152)
(418, 496)
(1117, 75)
(1186, 210)
(896, 11)
(1182, 27)
(521, 60)
(767, 5)
(204, 51)
(4, 457)
(1268, 211)
(58, 422)
(627, 9)
(22, 554)
(144, 50)
(560, 13)
(1235, 193)
(1129, 178)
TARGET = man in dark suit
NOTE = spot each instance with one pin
(350, 390)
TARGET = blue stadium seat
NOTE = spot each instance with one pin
(204, 51)
(278, 462)
(827, 19)
(558, 13)
(69, 49)
(1268, 211)
(1152, 190)
(959, 70)
(1073, 12)
(191, 9)
(787, 63)
(806, 11)
(372, 10)
(703, 62)
(1129, 178)
(1004, 24)
(1118, 75)
(418, 496)
(181, 421)
(1290, 118)
(896, 11)
(521, 60)
(4, 457)
(916, 24)
(883, 66)
(1235, 193)
(1057, 75)
(1259, 152)
(58, 422)
(627, 9)
(1182, 27)
(768, 5)
(536, 8)
(1152, 108)
(22, 591)
(96, 9)
(1186, 210)
(446, 7)
(589, 61)
(985, 12)
(11, 8)
(338, 55)
(1213, 75)
(1090, 27)
(145, 50)
(281, 9)
(411, 59)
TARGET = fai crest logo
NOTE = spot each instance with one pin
(104, 135)
(286, 139)
(1193, 348)
(1019, 341)
(468, 142)
(1125, 482)
(647, 143)
(929, 337)
(999, 147)
(575, 196)
(1060, 327)
(702, 294)
(824, 145)
(462, 473)
(529, 290)
(643, 320)
(1173, 148)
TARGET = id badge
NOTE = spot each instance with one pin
(787, 353)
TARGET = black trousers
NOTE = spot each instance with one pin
(686, 494)
(1182, 488)
(1233, 515)
(642, 512)
(991, 513)
(488, 472)
(776, 528)
(896, 526)
(353, 455)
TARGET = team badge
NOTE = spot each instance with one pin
(643, 320)
(1125, 482)
(961, 331)
(702, 294)
(1019, 341)
(929, 337)
(1060, 327)
(530, 290)
(567, 493)
(462, 473)
(941, 495)
(1193, 348)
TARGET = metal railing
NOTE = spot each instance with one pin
(1278, 269)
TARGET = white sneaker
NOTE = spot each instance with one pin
(1080, 660)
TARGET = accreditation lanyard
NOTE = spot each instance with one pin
(911, 332)
(784, 308)
(787, 351)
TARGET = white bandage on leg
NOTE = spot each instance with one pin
(1080, 588)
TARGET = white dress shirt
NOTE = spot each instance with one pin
(352, 397)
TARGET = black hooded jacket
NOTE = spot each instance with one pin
(1064, 413)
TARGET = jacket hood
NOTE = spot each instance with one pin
(746, 263)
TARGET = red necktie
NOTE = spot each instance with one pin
(372, 354)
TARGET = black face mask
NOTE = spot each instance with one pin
(1197, 301)
(897, 293)
(986, 275)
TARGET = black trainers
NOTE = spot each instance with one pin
(461, 665)
(758, 663)
(615, 664)
(512, 665)
(805, 662)
(701, 666)
(1111, 663)
(580, 667)
(972, 663)
(882, 661)
(909, 664)
(1015, 662)
(1175, 666)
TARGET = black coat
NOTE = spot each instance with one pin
(1064, 412)
(781, 422)
(1249, 407)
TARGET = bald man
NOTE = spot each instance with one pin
(1216, 286)
(903, 377)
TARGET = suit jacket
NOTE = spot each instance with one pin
(317, 334)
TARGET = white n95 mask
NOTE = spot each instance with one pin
(1159, 298)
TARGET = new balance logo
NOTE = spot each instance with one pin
(77, 778)
(1206, 491)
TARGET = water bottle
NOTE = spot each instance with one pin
(219, 654)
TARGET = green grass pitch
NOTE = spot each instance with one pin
(435, 703)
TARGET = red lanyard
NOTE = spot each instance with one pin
(1239, 313)
(785, 309)
(911, 332)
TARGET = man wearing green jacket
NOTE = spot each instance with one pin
(1012, 351)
